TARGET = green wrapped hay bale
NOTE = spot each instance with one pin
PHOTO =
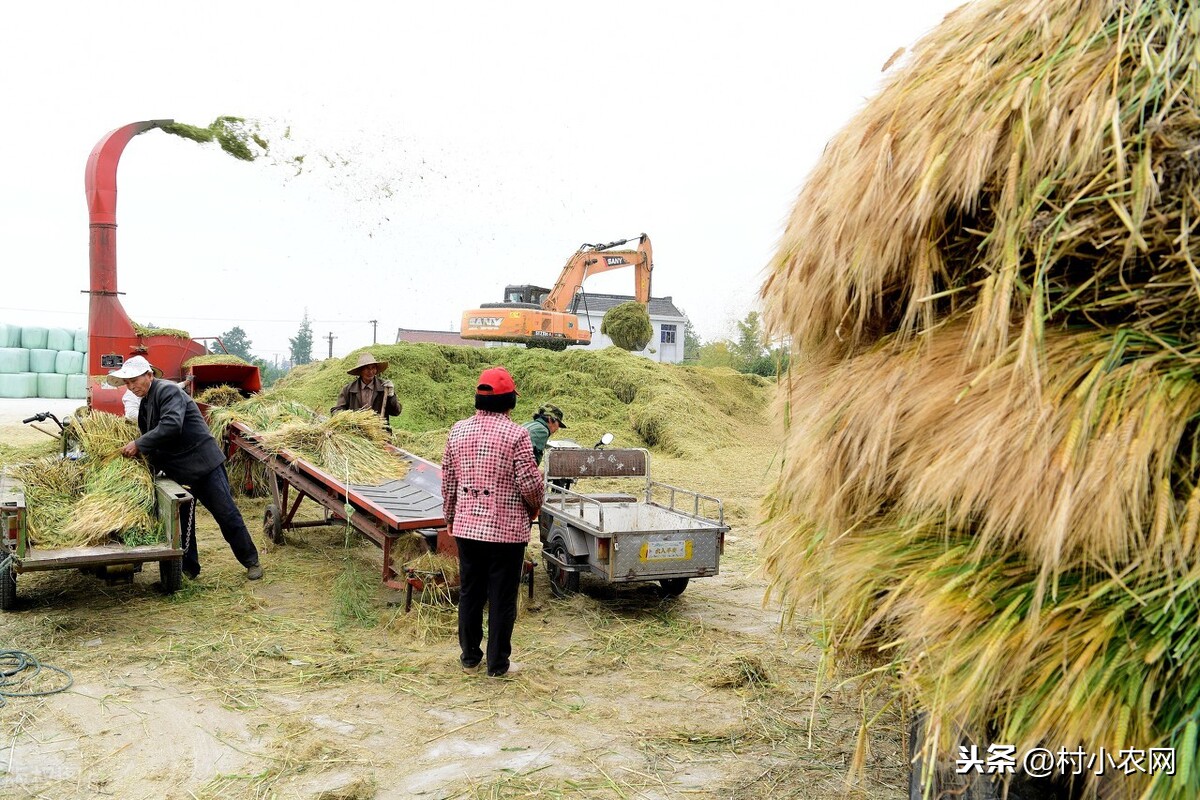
(77, 387)
(42, 359)
(51, 384)
(22, 384)
(60, 339)
(34, 337)
(628, 325)
(10, 335)
(68, 362)
(13, 360)
(80, 343)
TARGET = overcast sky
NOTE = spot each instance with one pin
(449, 149)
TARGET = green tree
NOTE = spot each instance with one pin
(749, 347)
(268, 371)
(691, 343)
(301, 346)
(235, 342)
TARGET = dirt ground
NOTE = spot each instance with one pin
(232, 689)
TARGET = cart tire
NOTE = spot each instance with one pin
(562, 582)
(170, 574)
(945, 781)
(672, 587)
(8, 588)
(273, 524)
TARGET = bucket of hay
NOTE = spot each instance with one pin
(992, 476)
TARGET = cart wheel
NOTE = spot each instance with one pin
(170, 574)
(273, 524)
(672, 587)
(8, 588)
(562, 582)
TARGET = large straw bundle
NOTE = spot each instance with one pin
(91, 501)
(349, 445)
(993, 465)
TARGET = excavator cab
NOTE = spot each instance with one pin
(525, 294)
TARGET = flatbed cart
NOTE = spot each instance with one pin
(113, 561)
(381, 513)
(664, 533)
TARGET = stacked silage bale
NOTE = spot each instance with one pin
(42, 362)
(992, 476)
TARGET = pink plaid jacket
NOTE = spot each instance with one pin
(491, 486)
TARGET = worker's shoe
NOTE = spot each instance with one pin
(513, 668)
(468, 667)
(254, 573)
(191, 573)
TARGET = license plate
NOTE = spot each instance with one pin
(672, 550)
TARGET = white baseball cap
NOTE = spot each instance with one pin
(132, 368)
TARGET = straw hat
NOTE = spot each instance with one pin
(366, 360)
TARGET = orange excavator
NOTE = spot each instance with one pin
(539, 317)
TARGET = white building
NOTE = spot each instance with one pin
(666, 345)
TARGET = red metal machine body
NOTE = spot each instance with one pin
(112, 337)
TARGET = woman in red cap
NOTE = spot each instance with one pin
(492, 491)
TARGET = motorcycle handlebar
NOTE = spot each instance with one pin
(34, 418)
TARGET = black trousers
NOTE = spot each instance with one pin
(212, 491)
(488, 572)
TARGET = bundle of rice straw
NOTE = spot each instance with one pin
(348, 445)
(993, 459)
(90, 501)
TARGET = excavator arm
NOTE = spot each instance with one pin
(592, 259)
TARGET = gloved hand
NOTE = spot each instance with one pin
(390, 388)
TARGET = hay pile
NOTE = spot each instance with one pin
(150, 330)
(682, 411)
(223, 395)
(628, 325)
(97, 499)
(216, 358)
(993, 459)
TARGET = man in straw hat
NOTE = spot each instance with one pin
(176, 441)
(368, 390)
(491, 491)
(545, 423)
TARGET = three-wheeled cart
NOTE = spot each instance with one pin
(663, 533)
(113, 561)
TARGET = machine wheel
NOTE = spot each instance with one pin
(8, 588)
(273, 524)
(562, 582)
(170, 574)
(672, 587)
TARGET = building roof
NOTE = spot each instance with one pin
(598, 304)
(434, 337)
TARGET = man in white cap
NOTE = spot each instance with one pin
(176, 441)
(368, 390)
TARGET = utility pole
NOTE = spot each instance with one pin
(331, 337)
(374, 330)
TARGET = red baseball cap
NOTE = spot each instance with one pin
(496, 380)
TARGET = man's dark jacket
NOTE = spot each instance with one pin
(174, 437)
